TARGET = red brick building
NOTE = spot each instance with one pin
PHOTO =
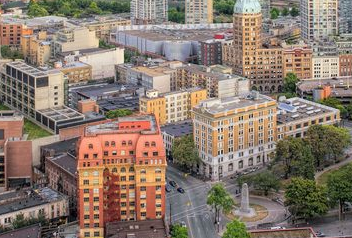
(345, 61)
(11, 32)
(121, 173)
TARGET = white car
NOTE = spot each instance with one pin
(277, 228)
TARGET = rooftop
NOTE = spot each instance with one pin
(9, 115)
(91, 91)
(62, 146)
(208, 71)
(284, 233)
(294, 109)
(225, 105)
(66, 162)
(136, 229)
(178, 129)
(61, 113)
(247, 7)
(127, 102)
(335, 83)
(25, 68)
(33, 231)
(17, 200)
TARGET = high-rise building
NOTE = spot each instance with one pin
(345, 16)
(259, 61)
(121, 173)
(319, 19)
(199, 11)
(173, 106)
(149, 11)
(235, 133)
(265, 4)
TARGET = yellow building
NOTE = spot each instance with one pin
(171, 107)
(36, 48)
(235, 133)
(199, 11)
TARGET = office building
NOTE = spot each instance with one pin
(199, 11)
(260, 62)
(344, 47)
(72, 39)
(149, 11)
(232, 134)
(325, 61)
(210, 52)
(11, 31)
(345, 16)
(121, 173)
(36, 49)
(15, 166)
(319, 19)
(31, 204)
(297, 59)
(171, 107)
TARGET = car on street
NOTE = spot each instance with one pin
(277, 228)
(183, 224)
(180, 190)
(319, 234)
(168, 188)
(173, 183)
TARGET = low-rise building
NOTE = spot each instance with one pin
(33, 231)
(36, 48)
(171, 107)
(76, 72)
(210, 52)
(296, 115)
(325, 61)
(173, 131)
(11, 31)
(32, 203)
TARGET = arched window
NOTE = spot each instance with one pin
(250, 161)
(106, 143)
(153, 144)
(129, 142)
(131, 169)
(112, 143)
(114, 170)
(146, 144)
(90, 146)
(143, 171)
(230, 167)
(123, 170)
(95, 173)
(158, 171)
(123, 143)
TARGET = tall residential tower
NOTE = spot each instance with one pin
(149, 11)
(199, 11)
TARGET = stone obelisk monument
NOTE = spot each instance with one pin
(245, 210)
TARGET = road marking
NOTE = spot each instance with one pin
(190, 210)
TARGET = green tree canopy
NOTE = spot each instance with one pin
(118, 113)
(305, 199)
(294, 12)
(177, 231)
(339, 186)
(184, 153)
(274, 13)
(177, 16)
(265, 181)
(35, 10)
(236, 229)
(285, 11)
(290, 82)
(220, 199)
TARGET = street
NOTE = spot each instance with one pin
(190, 207)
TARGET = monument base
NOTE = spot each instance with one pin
(249, 213)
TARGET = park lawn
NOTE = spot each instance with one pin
(34, 131)
(322, 179)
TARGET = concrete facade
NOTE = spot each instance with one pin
(198, 11)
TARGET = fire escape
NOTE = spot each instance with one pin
(111, 197)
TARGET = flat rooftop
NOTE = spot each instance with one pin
(66, 162)
(62, 146)
(30, 70)
(61, 113)
(102, 89)
(9, 115)
(17, 200)
(33, 231)
(294, 109)
(128, 102)
(136, 229)
(178, 129)
(222, 105)
(89, 51)
(207, 71)
(114, 126)
(310, 84)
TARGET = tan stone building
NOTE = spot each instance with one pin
(171, 107)
(297, 59)
(199, 11)
(259, 61)
(36, 49)
(232, 134)
(76, 72)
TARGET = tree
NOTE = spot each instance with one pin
(175, 15)
(236, 229)
(178, 231)
(339, 186)
(305, 199)
(184, 153)
(93, 9)
(19, 221)
(294, 12)
(265, 181)
(220, 199)
(285, 11)
(35, 10)
(290, 82)
(335, 103)
(274, 13)
(118, 113)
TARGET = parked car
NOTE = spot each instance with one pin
(183, 224)
(319, 234)
(277, 228)
(180, 190)
(168, 188)
(173, 183)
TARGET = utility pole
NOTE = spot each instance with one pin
(170, 213)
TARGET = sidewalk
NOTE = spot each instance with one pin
(344, 162)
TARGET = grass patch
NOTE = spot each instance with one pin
(261, 211)
(4, 108)
(34, 131)
(323, 178)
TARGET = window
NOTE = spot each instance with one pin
(129, 142)
(155, 153)
(146, 144)
(112, 143)
(131, 178)
(250, 161)
(131, 169)
(123, 143)
(123, 170)
(240, 164)
(96, 199)
(106, 143)
(123, 178)
(158, 171)
(95, 156)
(86, 199)
(230, 167)
(86, 234)
(96, 233)
(86, 182)
(158, 196)
(86, 217)
(90, 146)
(114, 170)
(143, 171)
(143, 188)
(153, 144)
(86, 191)
(106, 153)
(86, 156)
(145, 154)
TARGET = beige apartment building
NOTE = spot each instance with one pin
(260, 62)
(325, 66)
(297, 59)
(171, 107)
(36, 49)
(72, 39)
(232, 134)
(76, 72)
(199, 11)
